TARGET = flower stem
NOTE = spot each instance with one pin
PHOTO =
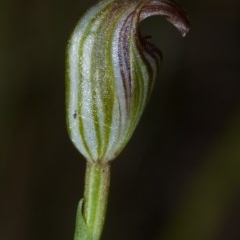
(95, 197)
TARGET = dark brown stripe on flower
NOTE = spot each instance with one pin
(124, 58)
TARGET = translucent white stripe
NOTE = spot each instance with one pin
(87, 98)
(74, 91)
(74, 78)
(114, 134)
(120, 115)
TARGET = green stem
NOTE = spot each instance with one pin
(95, 197)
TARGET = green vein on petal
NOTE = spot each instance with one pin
(112, 72)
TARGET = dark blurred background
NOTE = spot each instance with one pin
(179, 176)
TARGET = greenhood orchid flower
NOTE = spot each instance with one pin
(111, 70)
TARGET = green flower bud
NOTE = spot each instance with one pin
(111, 70)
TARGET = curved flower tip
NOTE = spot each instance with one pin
(111, 71)
(170, 11)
